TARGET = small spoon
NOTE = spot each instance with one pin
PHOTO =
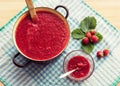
(67, 73)
(32, 11)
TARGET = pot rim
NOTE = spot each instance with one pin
(41, 9)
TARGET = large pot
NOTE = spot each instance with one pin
(53, 11)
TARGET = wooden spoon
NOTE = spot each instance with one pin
(32, 11)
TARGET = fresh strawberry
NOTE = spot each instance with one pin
(85, 40)
(99, 54)
(94, 39)
(88, 34)
(105, 52)
(93, 32)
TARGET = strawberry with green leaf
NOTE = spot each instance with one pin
(86, 32)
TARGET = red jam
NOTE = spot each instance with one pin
(43, 40)
(81, 64)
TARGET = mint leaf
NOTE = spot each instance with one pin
(77, 34)
(92, 22)
(88, 48)
(100, 37)
(88, 23)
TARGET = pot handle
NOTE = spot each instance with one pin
(18, 64)
(67, 12)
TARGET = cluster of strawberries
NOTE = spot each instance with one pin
(90, 37)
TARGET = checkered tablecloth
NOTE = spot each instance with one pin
(107, 70)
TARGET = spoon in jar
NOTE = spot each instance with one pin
(67, 73)
(32, 11)
(80, 66)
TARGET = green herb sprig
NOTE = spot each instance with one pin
(87, 24)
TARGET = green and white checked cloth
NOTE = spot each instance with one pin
(107, 70)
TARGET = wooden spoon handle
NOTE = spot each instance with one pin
(32, 10)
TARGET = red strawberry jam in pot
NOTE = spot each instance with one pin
(42, 40)
(82, 62)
